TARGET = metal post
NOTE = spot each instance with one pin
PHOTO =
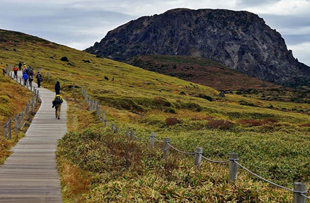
(152, 140)
(166, 148)
(299, 188)
(233, 167)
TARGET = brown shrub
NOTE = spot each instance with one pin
(221, 124)
(253, 122)
(172, 121)
(304, 125)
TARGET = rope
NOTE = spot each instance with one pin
(213, 161)
(157, 140)
(189, 153)
(272, 183)
(140, 138)
(305, 196)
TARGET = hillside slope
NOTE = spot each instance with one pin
(201, 71)
(272, 138)
(239, 40)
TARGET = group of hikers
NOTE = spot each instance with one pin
(28, 74)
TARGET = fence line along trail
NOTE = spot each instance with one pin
(30, 174)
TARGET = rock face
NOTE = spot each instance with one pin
(238, 39)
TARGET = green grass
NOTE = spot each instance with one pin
(272, 141)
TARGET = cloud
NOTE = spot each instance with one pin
(79, 23)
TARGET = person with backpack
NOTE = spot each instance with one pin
(30, 79)
(57, 87)
(25, 77)
(15, 71)
(57, 101)
(30, 71)
(39, 79)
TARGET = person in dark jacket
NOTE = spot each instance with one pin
(39, 79)
(57, 87)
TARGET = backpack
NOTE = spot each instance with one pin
(15, 69)
(30, 71)
(58, 100)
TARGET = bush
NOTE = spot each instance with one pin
(172, 121)
(221, 124)
(64, 58)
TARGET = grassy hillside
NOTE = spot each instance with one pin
(201, 71)
(271, 137)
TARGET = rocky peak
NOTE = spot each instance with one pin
(239, 40)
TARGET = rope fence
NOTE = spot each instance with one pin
(18, 121)
(299, 190)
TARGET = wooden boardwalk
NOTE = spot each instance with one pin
(30, 174)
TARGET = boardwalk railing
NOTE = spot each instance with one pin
(299, 191)
(18, 121)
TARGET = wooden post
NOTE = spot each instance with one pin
(10, 128)
(233, 167)
(112, 127)
(127, 134)
(32, 106)
(116, 130)
(132, 134)
(4, 130)
(198, 157)
(16, 125)
(166, 148)
(37, 98)
(105, 123)
(103, 116)
(152, 140)
(299, 188)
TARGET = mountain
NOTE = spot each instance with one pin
(237, 39)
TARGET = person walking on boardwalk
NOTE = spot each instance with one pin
(39, 79)
(15, 71)
(25, 77)
(57, 104)
(20, 66)
(30, 79)
(57, 87)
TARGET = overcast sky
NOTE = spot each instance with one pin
(80, 23)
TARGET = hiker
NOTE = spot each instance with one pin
(15, 71)
(57, 104)
(30, 71)
(3, 71)
(24, 69)
(25, 77)
(39, 79)
(20, 66)
(30, 78)
(57, 87)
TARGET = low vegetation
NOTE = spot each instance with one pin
(271, 137)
